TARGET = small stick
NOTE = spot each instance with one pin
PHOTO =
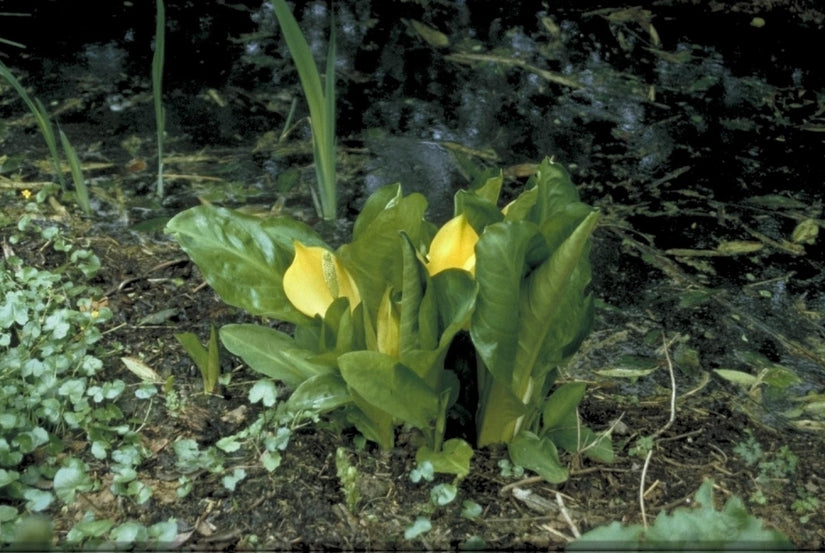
(659, 432)
(566, 515)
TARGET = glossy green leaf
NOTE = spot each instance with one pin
(487, 185)
(555, 191)
(271, 353)
(455, 297)
(545, 324)
(478, 210)
(563, 223)
(500, 414)
(454, 457)
(264, 391)
(320, 394)
(500, 259)
(243, 258)
(380, 200)
(420, 526)
(72, 479)
(375, 257)
(386, 384)
(414, 278)
(570, 434)
(520, 208)
(562, 403)
(374, 423)
(539, 455)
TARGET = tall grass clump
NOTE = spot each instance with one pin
(321, 101)
(41, 116)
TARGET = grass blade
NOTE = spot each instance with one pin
(42, 118)
(321, 105)
(157, 87)
(81, 191)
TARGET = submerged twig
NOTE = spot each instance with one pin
(514, 62)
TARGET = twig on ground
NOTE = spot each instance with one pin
(661, 431)
(566, 515)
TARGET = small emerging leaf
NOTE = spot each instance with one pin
(454, 457)
(538, 455)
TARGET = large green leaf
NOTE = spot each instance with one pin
(572, 320)
(319, 394)
(243, 258)
(540, 305)
(374, 423)
(455, 296)
(390, 386)
(500, 256)
(564, 221)
(500, 412)
(561, 403)
(271, 353)
(478, 210)
(555, 191)
(378, 201)
(342, 329)
(487, 185)
(375, 258)
(414, 279)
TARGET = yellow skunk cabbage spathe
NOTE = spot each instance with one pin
(315, 279)
(453, 247)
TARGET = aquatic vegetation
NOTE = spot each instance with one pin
(41, 116)
(376, 319)
(321, 101)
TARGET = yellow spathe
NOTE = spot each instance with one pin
(453, 247)
(315, 279)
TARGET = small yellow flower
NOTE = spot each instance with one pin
(26, 193)
(453, 247)
(315, 279)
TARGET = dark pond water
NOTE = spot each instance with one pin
(689, 126)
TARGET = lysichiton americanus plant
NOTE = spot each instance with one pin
(377, 320)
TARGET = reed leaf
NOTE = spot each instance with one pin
(81, 192)
(41, 116)
(157, 86)
(321, 102)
